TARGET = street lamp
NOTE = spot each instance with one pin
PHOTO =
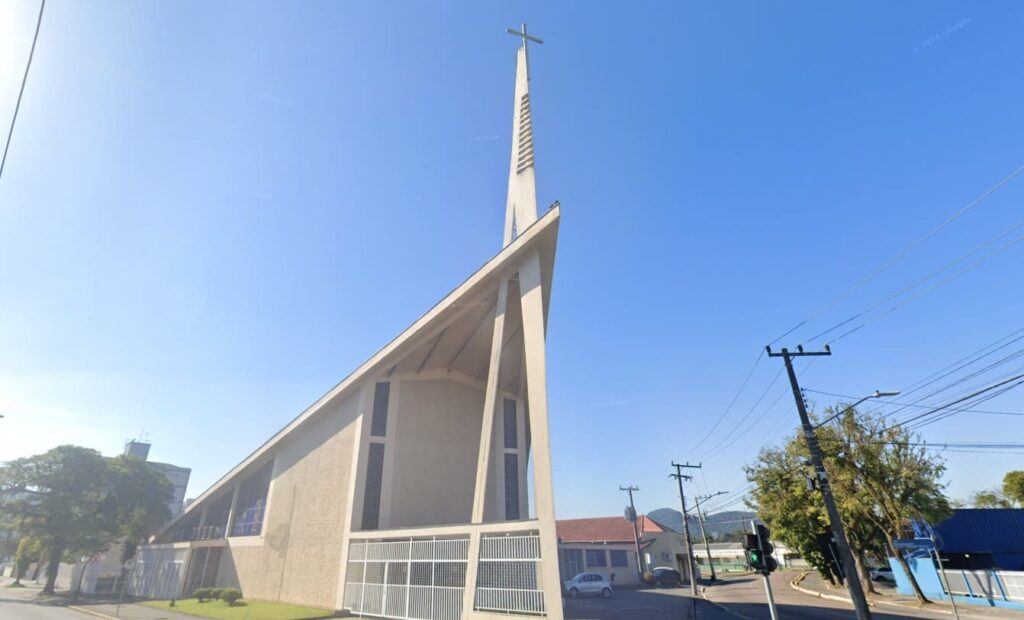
(877, 394)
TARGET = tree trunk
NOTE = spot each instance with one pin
(918, 594)
(53, 565)
(862, 570)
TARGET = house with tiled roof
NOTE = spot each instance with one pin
(606, 545)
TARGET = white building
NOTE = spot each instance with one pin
(177, 476)
(403, 492)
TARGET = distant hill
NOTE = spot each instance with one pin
(721, 525)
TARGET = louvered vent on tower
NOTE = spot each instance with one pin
(525, 135)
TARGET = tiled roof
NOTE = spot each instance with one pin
(604, 529)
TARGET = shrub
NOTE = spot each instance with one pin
(215, 593)
(230, 595)
(203, 594)
(648, 577)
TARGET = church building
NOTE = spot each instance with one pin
(404, 491)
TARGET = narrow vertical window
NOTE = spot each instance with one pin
(379, 421)
(511, 487)
(511, 431)
(374, 480)
(252, 502)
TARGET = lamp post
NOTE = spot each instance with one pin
(877, 394)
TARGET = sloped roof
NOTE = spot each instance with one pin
(471, 301)
(604, 529)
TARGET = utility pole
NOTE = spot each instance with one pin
(636, 533)
(679, 476)
(700, 519)
(860, 602)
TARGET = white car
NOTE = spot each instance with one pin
(588, 583)
(883, 573)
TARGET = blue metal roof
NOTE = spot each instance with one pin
(983, 530)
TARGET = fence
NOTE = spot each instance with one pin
(997, 585)
(421, 579)
(425, 578)
(508, 574)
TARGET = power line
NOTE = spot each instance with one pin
(911, 388)
(739, 424)
(24, 79)
(901, 255)
(930, 289)
(921, 281)
(893, 402)
(974, 394)
(731, 403)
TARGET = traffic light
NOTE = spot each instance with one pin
(758, 550)
(752, 550)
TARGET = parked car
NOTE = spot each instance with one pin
(588, 583)
(882, 573)
(667, 577)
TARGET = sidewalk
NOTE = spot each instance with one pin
(129, 611)
(95, 608)
(887, 596)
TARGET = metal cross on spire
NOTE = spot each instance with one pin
(526, 37)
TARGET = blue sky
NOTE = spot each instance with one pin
(212, 213)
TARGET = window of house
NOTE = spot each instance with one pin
(596, 557)
(619, 557)
(251, 506)
(379, 419)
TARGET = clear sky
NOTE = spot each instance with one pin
(212, 212)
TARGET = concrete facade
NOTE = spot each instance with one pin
(404, 490)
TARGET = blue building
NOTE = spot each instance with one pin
(982, 551)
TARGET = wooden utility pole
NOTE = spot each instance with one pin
(679, 476)
(700, 519)
(636, 533)
(860, 602)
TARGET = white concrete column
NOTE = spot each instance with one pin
(231, 513)
(486, 443)
(490, 404)
(532, 301)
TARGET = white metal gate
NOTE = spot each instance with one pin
(508, 577)
(422, 579)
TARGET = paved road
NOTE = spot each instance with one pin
(660, 604)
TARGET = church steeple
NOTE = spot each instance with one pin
(521, 204)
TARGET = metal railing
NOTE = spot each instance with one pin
(423, 579)
(508, 575)
(996, 585)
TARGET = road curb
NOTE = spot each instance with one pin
(795, 584)
(873, 603)
(91, 612)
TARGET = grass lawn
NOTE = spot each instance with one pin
(242, 610)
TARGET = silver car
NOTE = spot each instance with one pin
(588, 583)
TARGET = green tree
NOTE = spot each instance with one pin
(880, 479)
(75, 502)
(29, 550)
(794, 512)
(1013, 487)
(137, 501)
(990, 499)
(898, 475)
